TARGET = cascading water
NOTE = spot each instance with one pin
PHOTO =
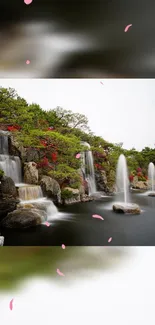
(122, 180)
(151, 176)
(11, 165)
(30, 192)
(88, 168)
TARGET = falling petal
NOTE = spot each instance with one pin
(127, 27)
(110, 239)
(78, 155)
(27, 61)
(101, 83)
(47, 224)
(28, 2)
(60, 273)
(96, 216)
(11, 304)
(63, 246)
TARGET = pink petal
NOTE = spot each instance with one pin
(96, 216)
(101, 82)
(27, 2)
(78, 155)
(110, 239)
(27, 61)
(11, 304)
(47, 224)
(63, 246)
(60, 273)
(127, 27)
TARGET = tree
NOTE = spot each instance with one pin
(69, 119)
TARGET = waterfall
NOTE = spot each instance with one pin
(30, 192)
(11, 165)
(88, 168)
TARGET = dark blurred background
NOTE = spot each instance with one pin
(83, 39)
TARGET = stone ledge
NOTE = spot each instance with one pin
(128, 208)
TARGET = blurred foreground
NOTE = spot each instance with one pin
(81, 39)
(103, 293)
(21, 263)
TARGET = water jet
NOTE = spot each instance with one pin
(124, 204)
(151, 179)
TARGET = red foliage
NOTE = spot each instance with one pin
(139, 174)
(43, 143)
(54, 156)
(99, 155)
(139, 170)
(131, 178)
(98, 166)
(51, 128)
(43, 163)
(13, 128)
(146, 177)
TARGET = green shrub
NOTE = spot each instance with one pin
(64, 173)
(75, 185)
(66, 194)
(1, 173)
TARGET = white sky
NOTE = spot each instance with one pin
(121, 110)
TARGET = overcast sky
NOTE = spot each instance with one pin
(120, 110)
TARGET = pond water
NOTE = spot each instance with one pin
(75, 226)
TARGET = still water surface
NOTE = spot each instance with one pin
(75, 226)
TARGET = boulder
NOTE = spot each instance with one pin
(86, 198)
(101, 181)
(24, 218)
(30, 173)
(127, 208)
(34, 205)
(26, 154)
(8, 196)
(82, 190)
(75, 191)
(139, 185)
(14, 147)
(71, 201)
(7, 206)
(75, 196)
(152, 194)
(7, 188)
(51, 189)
